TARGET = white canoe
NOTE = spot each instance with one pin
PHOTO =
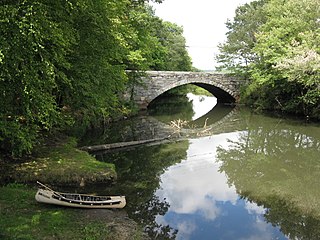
(79, 200)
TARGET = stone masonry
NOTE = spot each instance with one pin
(224, 87)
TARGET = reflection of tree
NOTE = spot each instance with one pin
(169, 107)
(131, 129)
(153, 208)
(139, 174)
(272, 161)
(293, 222)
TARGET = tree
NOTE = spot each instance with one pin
(291, 32)
(63, 63)
(176, 57)
(237, 52)
(33, 55)
(279, 54)
(97, 70)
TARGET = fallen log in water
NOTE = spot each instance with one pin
(110, 146)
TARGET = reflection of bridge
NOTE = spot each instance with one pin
(149, 131)
(224, 87)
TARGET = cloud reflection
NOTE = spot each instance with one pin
(199, 195)
(253, 208)
(195, 184)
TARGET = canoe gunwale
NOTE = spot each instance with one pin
(60, 197)
(57, 198)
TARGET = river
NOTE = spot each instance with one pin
(250, 177)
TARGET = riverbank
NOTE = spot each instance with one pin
(58, 163)
(23, 218)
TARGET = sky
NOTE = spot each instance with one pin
(203, 22)
(202, 205)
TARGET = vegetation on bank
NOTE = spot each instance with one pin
(63, 62)
(275, 46)
(60, 162)
(185, 89)
(23, 218)
(63, 69)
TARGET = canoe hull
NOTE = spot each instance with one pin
(77, 200)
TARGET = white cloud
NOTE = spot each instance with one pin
(253, 208)
(204, 25)
(185, 228)
(195, 185)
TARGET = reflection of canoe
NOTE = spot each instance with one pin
(78, 200)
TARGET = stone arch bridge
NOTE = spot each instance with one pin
(224, 87)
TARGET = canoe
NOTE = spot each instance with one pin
(50, 196)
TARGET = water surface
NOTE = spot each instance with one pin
(256, 177)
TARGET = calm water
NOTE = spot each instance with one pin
(255, 177)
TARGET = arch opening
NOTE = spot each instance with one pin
(222, 96)
(197, 108)
(225, 88)
(182, 90)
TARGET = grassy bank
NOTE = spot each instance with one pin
(60, 162)
(23, 218)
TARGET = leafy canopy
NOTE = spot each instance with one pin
(63, 62)
(275, 44)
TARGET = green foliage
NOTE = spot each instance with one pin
(97, 74)
(62, 63)
(276, 165)
(289, 51)
(61, 163)
(23, 218)
(283, 55)
(176, 57)
(237, 52)
(29, 71)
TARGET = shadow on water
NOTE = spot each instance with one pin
(216, 114)
(156, 123)
(170, 108)
(271, 169)
(139, 174)
(253, 177)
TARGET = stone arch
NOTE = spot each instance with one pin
(222, 95)
(224, 87)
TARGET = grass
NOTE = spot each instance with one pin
(199, 91)
(21, 217)
(63, 163)
(58, 163)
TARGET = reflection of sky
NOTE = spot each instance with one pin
(202, 205)
(201, 104)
